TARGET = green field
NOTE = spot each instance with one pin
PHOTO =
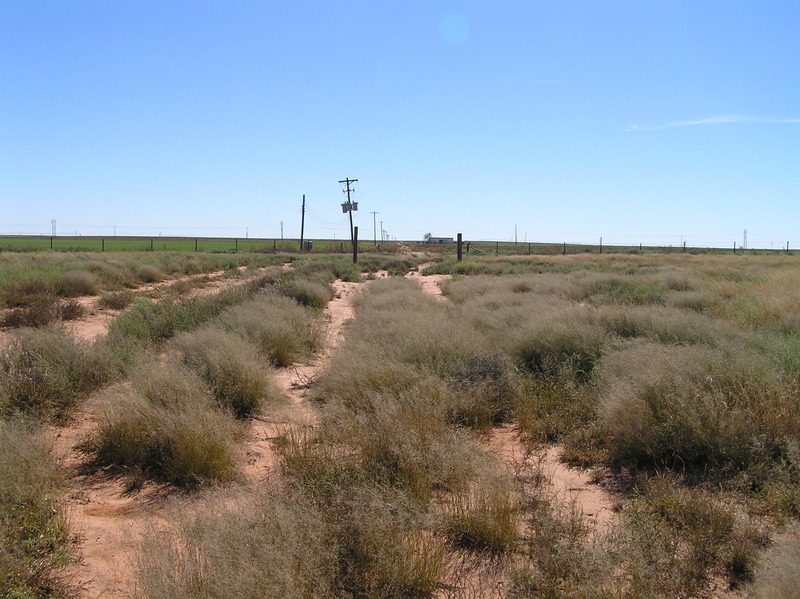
(34, 243)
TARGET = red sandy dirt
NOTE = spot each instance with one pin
(294, 382)
(109, 521)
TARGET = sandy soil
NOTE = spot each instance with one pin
(108, 519)
(294, 382)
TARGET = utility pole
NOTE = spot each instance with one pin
(382, 239)
(349, 206)
(53, 225)
(374, 235)
(302, 221)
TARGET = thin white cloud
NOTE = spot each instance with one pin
(713, 120)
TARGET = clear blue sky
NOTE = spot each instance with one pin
(639, 121)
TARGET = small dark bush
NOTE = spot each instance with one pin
(116, 300)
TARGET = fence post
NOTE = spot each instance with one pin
(497, 247)
(151, 244)
(51, 243)
(459, 248)
(195, 244)
(565, 248)
(102, 245)
(734, 247)
(236, 246)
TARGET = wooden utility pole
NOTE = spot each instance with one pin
(355, 245)
(374, 234)
(349, 206)
(302, 221)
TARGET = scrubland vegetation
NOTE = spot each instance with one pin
(675, 379)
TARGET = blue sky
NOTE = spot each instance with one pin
(646, 121)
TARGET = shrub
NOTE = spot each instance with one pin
(281, 330)
(484, 390)
(149, 321)
(557, 561)
(169, 429)
(79, 282)
(45, 372)
(484, 518)
(674, 540)
(694, 408)
(33, 531)
(308, 293)
(37, 313)
(549, 408)
(148, 273)
(153, 322)
(560, 345)
(404, 439)
(116, 300)
(71, 310)
(238, 376)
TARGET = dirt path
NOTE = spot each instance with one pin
(109, 521)
(567, 485)
(294, 382)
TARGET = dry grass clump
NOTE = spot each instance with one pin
(246, 545)
(557, 559)
(405, 439)
(168, 428)
(38, 312)
(307, 292)
(550, 348)
(232, 367)
(700, 301)
(148, 273)
(666, 325)
(694, 408)
(485, 390)
(42, 311)
(116, 300)
(79, 282)
(153, 322)
(484, 518)
(33, 532)
(674, 540)
(282, 330)
(376, 526)
(45, 372)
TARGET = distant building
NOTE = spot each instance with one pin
(438, 240)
